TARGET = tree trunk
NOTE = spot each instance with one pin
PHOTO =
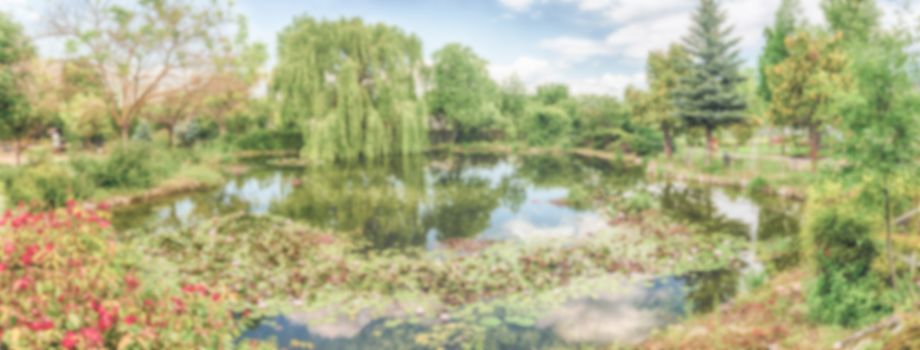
(668, 141)
(782, 142)
(814, 142)
(170, 130)
(18, 151)
(124, 133)
(710, 143)
(888, 248)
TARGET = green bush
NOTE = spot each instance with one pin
(758, 185)
(846, 292)
(131, 165)
(47, 184)
(645, 142)
(546, 126)
(271, 140)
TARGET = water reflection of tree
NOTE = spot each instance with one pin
(379, 201)
(696, 206)
(709, 289)
(584, 178)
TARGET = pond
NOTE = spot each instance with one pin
(453, 200)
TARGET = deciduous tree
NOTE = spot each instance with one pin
(805, 84)
(138, 48)
(352, 87)
(463, 94)
(17, 120)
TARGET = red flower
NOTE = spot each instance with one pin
(70, 340)
(28, 258)
(2, 267)
(132, 282)
(104, 206)
(9, 248)
(22, 283)
(179, 304)
(130, 320)
(40, 325)
(215, 296)
(106, 319)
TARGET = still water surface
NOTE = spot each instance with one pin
(437, 199)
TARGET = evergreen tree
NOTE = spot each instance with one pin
(709, 96)
(352, 87)
(775, 50)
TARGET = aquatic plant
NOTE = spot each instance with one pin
(275, 262)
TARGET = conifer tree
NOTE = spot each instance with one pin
(709, 96)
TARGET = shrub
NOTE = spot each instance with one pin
(271, 140)
(131, 165)
(758, 185)
(47, 184)
(846, 291)
(546, 126)
(67, 285)
(645, 142)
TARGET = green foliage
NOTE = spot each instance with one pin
(709, 96)
(47, 184)
(513, 104)
(758, 185)
(131, 165)
(86, 118)
(16, 118)
(463, 94)
(638, 202)
(839, 241)
(805, 85)
(271, 140)
(599, 121)
(546, 126)
(552, 94)
(775, 51)
(856, 20)
(352, 88)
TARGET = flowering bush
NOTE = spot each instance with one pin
(65, 284)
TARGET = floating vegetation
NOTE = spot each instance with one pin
(275, 263)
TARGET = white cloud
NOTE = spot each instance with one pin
(517, 5)
(528, 69)
(606, 84)
(576, 48)
(21, 10)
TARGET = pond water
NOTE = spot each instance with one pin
(449, 199)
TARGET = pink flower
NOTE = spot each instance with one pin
(9, 248)
(215, 296)
(2, 267)
(28, 258)
(130, 320)
(41, 325)
(93, 336)
(106, 319)
(70, 340)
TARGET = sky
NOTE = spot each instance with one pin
(594, 46)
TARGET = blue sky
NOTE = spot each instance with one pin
(595, 46)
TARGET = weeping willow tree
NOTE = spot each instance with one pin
(352, 88)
